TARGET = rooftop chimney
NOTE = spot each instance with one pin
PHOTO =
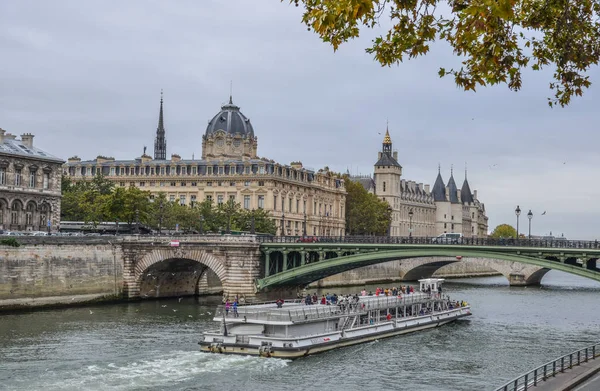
(2, 131)
(427, 189)
(27, 140)
(475, 194)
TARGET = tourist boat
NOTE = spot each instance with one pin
(295, 329)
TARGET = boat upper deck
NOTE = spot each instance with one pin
(296, 311)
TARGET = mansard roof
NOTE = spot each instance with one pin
(439, 189)
(9, 145)
(366, 181)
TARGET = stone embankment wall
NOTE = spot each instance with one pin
(58, 271)
(394, 271)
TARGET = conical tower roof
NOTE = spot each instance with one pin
(439, 188)
(452, 189)
(465, 192)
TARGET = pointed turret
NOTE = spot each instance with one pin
(439, 188)
(386, 157)
(465, 192)
(160, 143)
(452, 188)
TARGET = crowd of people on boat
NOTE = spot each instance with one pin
(333, 299)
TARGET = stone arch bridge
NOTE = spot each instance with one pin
(250, 267)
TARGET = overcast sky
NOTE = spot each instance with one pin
(85, 78)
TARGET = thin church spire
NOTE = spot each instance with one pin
(160, 143)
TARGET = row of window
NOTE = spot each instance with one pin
(192, 184)
(202, 170)
(16, 215)
(19, 178)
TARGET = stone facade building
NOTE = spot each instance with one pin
(299, 200)
(30, 185)
(418, 210)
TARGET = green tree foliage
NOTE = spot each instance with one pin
(505, 231)
(365, 213)
(99, 201)
(495, 39)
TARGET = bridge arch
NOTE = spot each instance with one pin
(518, 268)
(176, 271)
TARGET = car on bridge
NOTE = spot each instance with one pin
(448, 238)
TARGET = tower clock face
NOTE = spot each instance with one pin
(220, 142)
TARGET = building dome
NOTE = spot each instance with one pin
(231, 121)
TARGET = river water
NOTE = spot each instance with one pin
(152, 345)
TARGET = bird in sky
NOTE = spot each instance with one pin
(544, 213)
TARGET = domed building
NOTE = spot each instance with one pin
(229, 134)
(301, 201)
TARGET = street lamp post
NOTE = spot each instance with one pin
(410, 216)
(201, 225)
(137, 221)
(160, 217)
(529, 216)
(117, 231)
(304, 225)
(252, 222)
(518, 213)
(282, 225)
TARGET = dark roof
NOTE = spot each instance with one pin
(11, 146)
(387, 160)
(231, 121)
(465, 193)
(452, 190)
(367, 182)
(439, 189)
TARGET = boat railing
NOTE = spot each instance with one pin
(299, 313)
(551, 369)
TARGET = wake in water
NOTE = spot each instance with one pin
(163, 372)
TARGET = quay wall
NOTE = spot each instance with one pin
(394, 271)
(44, 273)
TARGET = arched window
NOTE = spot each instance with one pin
(15, 213)
(29, 214)
(44, 214)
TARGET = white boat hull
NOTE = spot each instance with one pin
(322, 343)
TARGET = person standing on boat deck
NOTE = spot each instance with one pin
(227, 305)
(323, 300)
(315, 298)
(235, 306)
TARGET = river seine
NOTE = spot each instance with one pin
(152, 345)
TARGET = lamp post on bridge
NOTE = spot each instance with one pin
(518, 213)
(410, 216)
(529, 216)
(201, 225)
(389, 209)
(252, 223)
(304, 226)
(282, 224)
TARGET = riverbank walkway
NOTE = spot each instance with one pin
(577, 371)
(584, 377)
